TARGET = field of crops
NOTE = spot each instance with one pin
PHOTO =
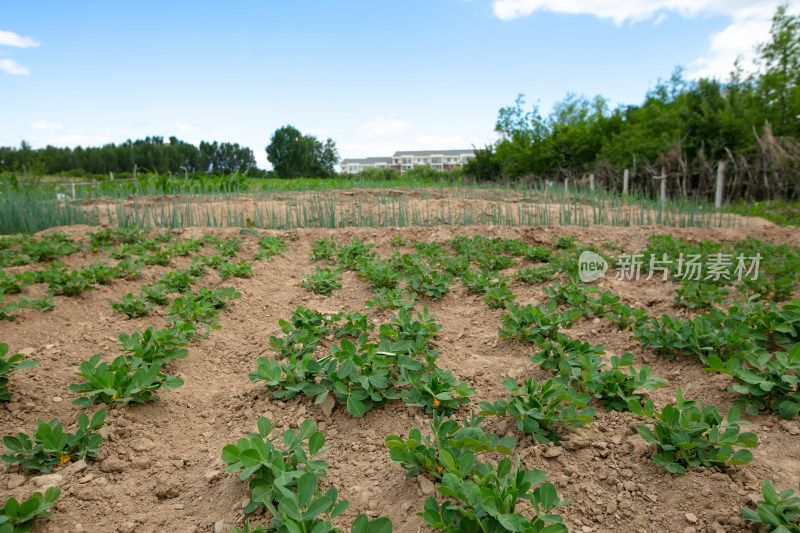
(454, 378)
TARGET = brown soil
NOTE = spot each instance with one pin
(160, 467)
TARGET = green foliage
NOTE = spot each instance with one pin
(451, 447)
(500, 297)
(177, 281)
(764, 380)
(270, 246)
(436, 391)
(9, 364)
(294, 155)
(380, 275)
(242, 269)
(276, 463)
(157, 347)
(354, 254)
(10, 307)
(123, 380)
(688, 435)
(324, 249)
(489, 502)
(535, 323)
(51, 446)
(615, 388)
(777, 512)
(433, 284)
(154, 294)
(131, 306)
(100, 272)
(71, 284)
(322, 281)
(542, 410)
(398, 298)
(533, 275)
(45, 303)
(18, 517)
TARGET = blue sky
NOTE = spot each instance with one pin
(375, 76)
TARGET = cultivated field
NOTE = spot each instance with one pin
(160, 464)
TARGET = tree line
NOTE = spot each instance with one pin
(683, 128)
(152, 154)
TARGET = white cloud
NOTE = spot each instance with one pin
(44, 125)
(9, 38)
(750, 24)
(188, 128)
(10, 66)
(383, 126)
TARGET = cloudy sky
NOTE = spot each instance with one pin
(376, 76)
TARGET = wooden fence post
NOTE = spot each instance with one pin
(625, 178)
(591, 181)
(720, 185)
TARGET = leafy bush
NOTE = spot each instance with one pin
(242, 269)
(686, 435)
(51, 446)
(270, 246)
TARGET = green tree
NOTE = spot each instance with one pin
(294, 155)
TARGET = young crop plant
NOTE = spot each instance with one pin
(228, 247)
(18, 517)
(50, 446)
(8, 365)
(438, 391)
(433, 284)
(325, 250)
(44, 304)
(491, 502)
(451, 447)
(177, 281)
(10, 307)
(218, 298)
(354, 254)
(322, 281)
(242, 269)
(72, 284)
(626, 317)
(131, 306)
(568, 357)
(275, 463)
(49, 247)
(499, 297)
(542, 410)
(159, 257)
(270, 246)
(157, 347)
(404, 327)
(537, 274)
(9, 284)
(120, 381)
(397, 298)
(687, 435)
(536, 323)
(538, 254)
(776, 512)
(380, 274)
(154, 294)
(615, 388)
(478, 282)
(195, 309)
(100, 272)
(701, 295)
(764, 380)
(130, 268)
(564, 243)
(183, 248)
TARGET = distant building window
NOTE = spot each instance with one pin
(352, 168)
(406, 161)
(380, 165)
(436, 159)
(437, 167)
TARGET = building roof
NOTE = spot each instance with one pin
(367, 160)
(401, 153)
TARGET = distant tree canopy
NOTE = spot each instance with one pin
(151, 154)
(294, 155)
(752, 122)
